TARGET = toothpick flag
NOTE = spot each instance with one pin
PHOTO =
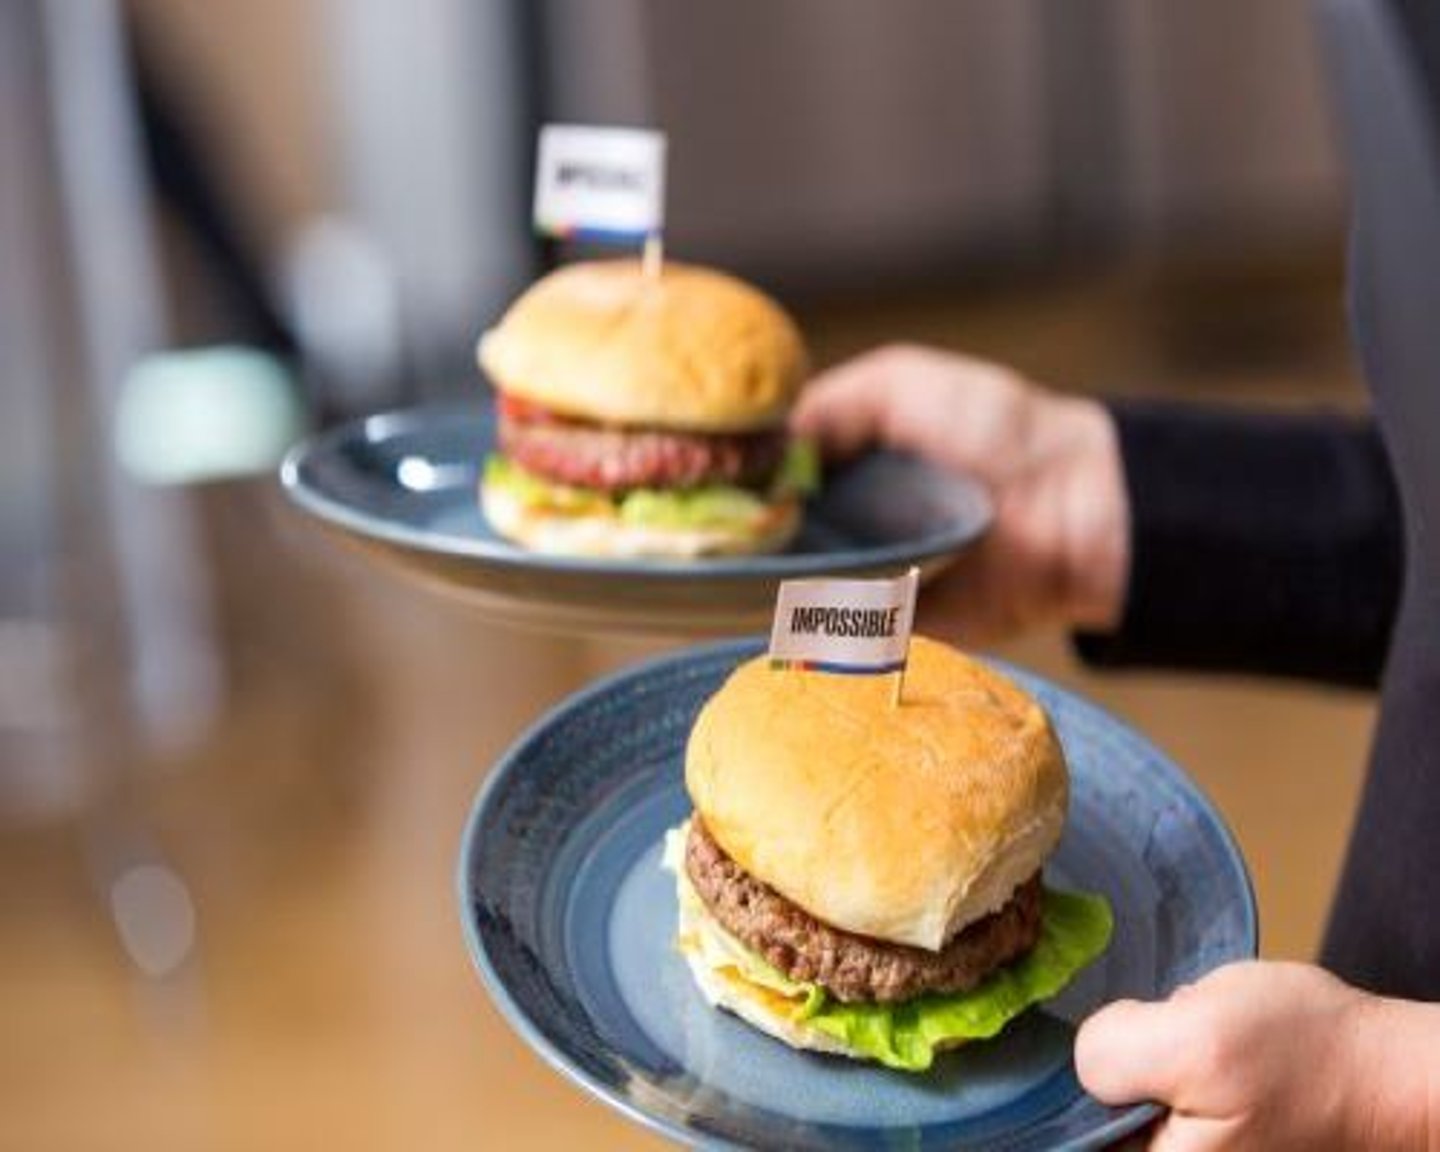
(856, 627)
(604, 184)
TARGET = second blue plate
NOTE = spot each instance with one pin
(403, 487)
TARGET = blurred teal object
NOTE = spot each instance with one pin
(194, 415)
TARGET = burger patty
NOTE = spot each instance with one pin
(617, 459)
(848, 966)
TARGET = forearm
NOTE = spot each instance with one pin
(1258, 543)
(1396, 1077)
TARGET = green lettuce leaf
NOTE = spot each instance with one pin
(799, 473)
(533, 492)
(1075, 929)
(712, 506)
(708, 506)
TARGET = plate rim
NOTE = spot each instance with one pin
(1131, 1118)
(396, 421)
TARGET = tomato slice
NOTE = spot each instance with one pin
(521, 410)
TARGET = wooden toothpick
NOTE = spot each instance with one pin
(913, 579)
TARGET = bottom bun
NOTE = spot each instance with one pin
(726, 988)
(558, 534)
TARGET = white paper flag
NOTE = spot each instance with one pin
(600, 183)
(853, 626)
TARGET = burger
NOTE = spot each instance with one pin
(645, 416)
(866, 879)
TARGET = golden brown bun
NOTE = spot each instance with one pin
(905, 824)
(695, 349)
(562, 534)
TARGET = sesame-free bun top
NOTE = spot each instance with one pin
(900, 823)
(692, 348)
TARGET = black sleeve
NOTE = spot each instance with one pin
(1260, 543)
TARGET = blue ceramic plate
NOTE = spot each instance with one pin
(403, 487)
(570, 920)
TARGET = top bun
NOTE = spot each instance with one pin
(901, 823)
(693, 349)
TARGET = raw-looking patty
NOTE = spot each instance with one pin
(617, 460)
(851, 967)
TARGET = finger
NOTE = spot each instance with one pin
(1131, 1051)
(844, 408)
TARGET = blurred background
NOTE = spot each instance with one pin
(234, 761)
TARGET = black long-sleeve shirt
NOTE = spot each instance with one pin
(1260, 543)
(1281, 545)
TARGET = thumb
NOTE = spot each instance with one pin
(844, 409)
(1131, 1051)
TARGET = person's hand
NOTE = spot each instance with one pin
(1269, 1055)
(1059, 546)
